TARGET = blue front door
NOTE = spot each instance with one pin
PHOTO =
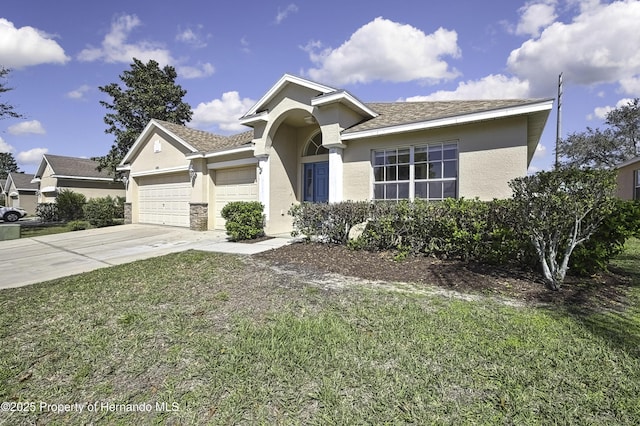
(316, 182)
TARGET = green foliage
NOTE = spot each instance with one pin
(47, 212)
(70, 205)
(78, 225)
(328, 222)
(8, 165)
(119, 202)
(244, 220)
(6, 110)
(560, 210)
(608, 241)
(101, 212)
(150, 93)
(595, 148)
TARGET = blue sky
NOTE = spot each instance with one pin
(229, 53)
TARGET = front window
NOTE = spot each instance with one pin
(315, 147)
(429, 172)
(636, 192)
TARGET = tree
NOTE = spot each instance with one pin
(561, 209)
(604, 149)
(7, 165)
(150, 93)
(6, 110)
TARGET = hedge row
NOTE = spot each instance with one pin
(470, 230)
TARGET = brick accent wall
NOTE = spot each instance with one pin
(127, 213)
(198, 216)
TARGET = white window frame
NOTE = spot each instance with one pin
(412, 180)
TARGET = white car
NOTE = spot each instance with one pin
(11, 214)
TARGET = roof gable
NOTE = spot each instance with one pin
(21, 181)
(280, 85)
(73, 167)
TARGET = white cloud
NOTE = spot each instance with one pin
(536, 16)
(32, 156)
(532, 170)
(79, 92)
(245, 45)
(202, 70)
(490, 87)
(223, 112)
(598, 46)
(193, 37)
(541, 151)
(283, 14)
(601, 112)
(27, 127)
(5, 147)
(388, 51)
(27, 46)
(115, 48)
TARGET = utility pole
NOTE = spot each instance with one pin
(559, 122)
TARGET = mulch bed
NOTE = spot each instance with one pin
(605, 291)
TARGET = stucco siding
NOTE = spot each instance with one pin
(284, 175)
(170, 154)
(625, 181)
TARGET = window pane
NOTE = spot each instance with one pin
(435, 153)
(421, 171)
(403, 156)
(391, 157)
(403, 190)
(378, 192)
(392, 191)
(450, 152)
(435, 190)
(435, 170)
(403, 172)
(378, 174)
(391, 173)
(420, 155)
(637, 177)
(449, 189)
(450, 169)
(637, 194)
(378, 158)
(421, 189)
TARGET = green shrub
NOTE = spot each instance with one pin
(328, 222)
(608, 241)
(47, 212)
(101, 212)
(78, 225)
(119, 202)
(244, 220)
(70, 205)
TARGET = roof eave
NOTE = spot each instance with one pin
(523, 109)
(345, 98)
(147, 132)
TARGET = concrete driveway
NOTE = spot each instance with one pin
(31, 260)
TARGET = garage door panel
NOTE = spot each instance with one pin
(164, 200)
(233, 185)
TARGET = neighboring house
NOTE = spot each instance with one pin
(312, 142)
(57, 172)
(629, 179)
(20, 192)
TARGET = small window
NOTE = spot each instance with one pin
(314, 146)
(636, 191)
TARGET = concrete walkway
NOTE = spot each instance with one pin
(32, 260)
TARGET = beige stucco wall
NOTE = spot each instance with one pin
(283, 169)
(172, 154)
(25, 200)
(490, 155)
(625, 181)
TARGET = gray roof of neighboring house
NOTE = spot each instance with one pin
(399, 113)
(73, 166)
(206, 141)
(22, 181)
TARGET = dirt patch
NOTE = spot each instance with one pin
(605, 291)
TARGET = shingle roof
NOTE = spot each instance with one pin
(73, 166)
(206, 141)
(22, 181)
(398, 113)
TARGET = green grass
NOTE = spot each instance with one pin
(39, 231)
(229, 341)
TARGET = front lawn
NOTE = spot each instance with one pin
(210, 338)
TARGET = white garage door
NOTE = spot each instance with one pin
(164, 200)
(237, 184)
